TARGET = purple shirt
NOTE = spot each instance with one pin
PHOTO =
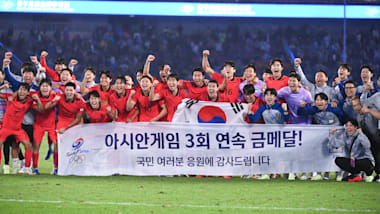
(258, 92)
(293, 100)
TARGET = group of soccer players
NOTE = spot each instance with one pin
(52, 100)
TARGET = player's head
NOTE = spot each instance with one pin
(321, 100)
(366, 73)
(164, 72)
(94, 99)
(212, 87)
(45, 87)
(356, 105)
(128, 80)
(250, 72)
(350, 88)
(105, 78)
(270, 96)
(23, 91)
(66, 75)
(173, 82)
(70, 90)
(294, 82)
(146, 82)
(266, 74)
(120, 83)
(229, 67)
(139, 74)
(344, 71)
(276, 66)
(249, 93)
(321, 77)
(89, 74)
(59, 65)
(28, 71)
(198, 76)
(351, 126)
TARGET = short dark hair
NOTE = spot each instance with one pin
(366, 66)
(70, 84)
(322, 71)
(230, 63)
(295, 76)
(121, 78)
(270, 91)
(173, 76)
(107, 73)
(250, 66)
(25, 86)
(292, 72)
(249, 89)
(148, 77)
(353, 121)
(276, 60)
(268, 71)
(350, 81)
(90, 69)
(94, 93)
(198, 69)
(46, 80)
(27, 67)
(163, 66)
(213, 81)
(59, 61)
(1, 71)
(322, 95)
(346, 66)
(140, 70)
(69, 70)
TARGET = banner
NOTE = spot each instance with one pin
(148, 149)
(194, 111)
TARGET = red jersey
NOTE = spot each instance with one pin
(97, 115)
(258, 102)
(232, 91)
(45, 119)
(54, 76)
(15, 112)
(277, 84)
(221, 97)
(104, 95)
(172, 101)
(194, 90)
(67, 111)
(120, 104)
(148, 109)
(160, 86)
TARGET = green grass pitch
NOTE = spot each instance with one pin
(129, 194)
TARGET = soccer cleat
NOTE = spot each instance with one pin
(304, 177)
(291, 177)
(14, 170)
(28, 171)
(339, 178)
(55, 172)
(36, 172)
(200, 176)
(377, 180)
(227, 177)
(326, 176)
(6, 169)
(264, 177)
(21, 170)
(355, 179)
(49, 152)
(316, 177)
(368, 178)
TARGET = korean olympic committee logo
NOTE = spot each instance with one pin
(77, 155)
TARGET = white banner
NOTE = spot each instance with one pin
(194, 111)
(197, 149)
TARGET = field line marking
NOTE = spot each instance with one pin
(192, 206)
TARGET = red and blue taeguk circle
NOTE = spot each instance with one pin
(211, 114)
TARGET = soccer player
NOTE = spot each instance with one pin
(251, 78)
(139, 74)
(55, 75)
(278, 80)
(344, 72)
(44, 122)
(197, 86)
(88, 79)
(104, 88)
(69, 114)
(149, 111)
(118, 101)
(369, 126)
(164, 73)
(320, 85)
(266, 74)
(16, 109)
(350, 90)
(172, 96)
(357, 147)
(367, 84)
(253, 102)
(229, 69)
(94, 112)
(128, 82)
(294, 95)
(213, 93)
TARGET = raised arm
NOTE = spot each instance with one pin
(146, 69)
(50, 72)
(9, 76)
(299, 71)
(224, 84)
(130, 102)
(205, 63)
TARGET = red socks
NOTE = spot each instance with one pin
(28, 157)
(55, 159)
(35, 160)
